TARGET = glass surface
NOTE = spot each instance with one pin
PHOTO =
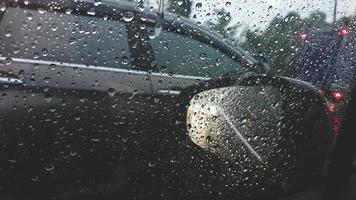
(173, 99)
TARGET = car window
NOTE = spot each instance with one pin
(61, 37)
(181, 55)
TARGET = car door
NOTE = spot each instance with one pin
(73, 102)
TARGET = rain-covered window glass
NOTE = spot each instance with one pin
(177, 99)
(62, 37)
(182, 55)
(325, 59)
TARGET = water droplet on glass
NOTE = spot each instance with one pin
(141, 7)
(44, 52)
(111, 92)
(7, 33)
(8, 61)
(72, 41)
(39, 26)
(180, 2)
(49, 167)
(203, 56)
(128, 16)
(54, 27)
(152, 164)
(36, 55)
(125, 60)
(68, 11)
(48, 98)
(97, 2)
(117, 60)
(30, 109)
(21, 73)
(41, 11)
(91, 12)
(34, 178)
(198, 6)
(95, 139)
(152, 34)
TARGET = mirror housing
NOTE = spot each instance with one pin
(266, 134)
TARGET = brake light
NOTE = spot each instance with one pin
(344, 31)
(338, 95)
(331, 107)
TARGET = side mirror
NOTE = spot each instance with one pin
(269, 134)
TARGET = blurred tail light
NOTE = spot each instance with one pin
(331, 107)
(303, 36)
(338, 95)
(344, 31)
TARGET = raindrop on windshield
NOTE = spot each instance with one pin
(7, 33)
(180, 2)
(141, 7)
(97, 2)
(49, 167)
(128, 16)
(44, 52)
(152, 164)
(203, 56)
(68, 11)
(125, 60)
(29, 16)
(21, 73)
(91, 12)
(72, 41)
(54, 27)
(8, 61)
(111, 92)
(41, 11)
(198, 6)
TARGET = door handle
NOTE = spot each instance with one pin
(169, 92)
(12, 81)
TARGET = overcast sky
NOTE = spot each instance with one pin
(258, 13)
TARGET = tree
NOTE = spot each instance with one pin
(222, 26)
(277, 44)
(180, 7)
